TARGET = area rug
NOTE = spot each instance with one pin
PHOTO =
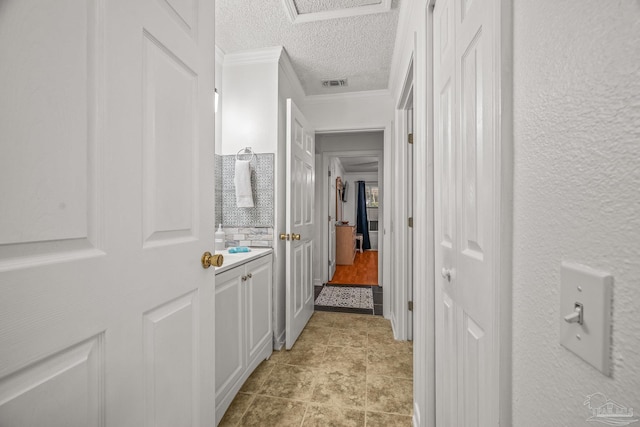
(354, 299)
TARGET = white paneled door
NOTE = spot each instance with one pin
(106, 123)
(300, 200)
(464, 212)
(332, 225)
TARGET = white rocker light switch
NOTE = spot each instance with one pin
(585, 313)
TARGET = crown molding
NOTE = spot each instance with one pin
(219, 55)
(290, 73)
(299, 18)
(347, 96)
(255, 56)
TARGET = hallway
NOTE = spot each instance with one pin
(344, 370)
(363, 271)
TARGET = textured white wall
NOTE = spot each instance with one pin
(338, 171)
(218, 81)
(360, 110)
(350, 141)
(576, 196)
(250, 116)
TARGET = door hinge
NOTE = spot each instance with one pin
(329, 173)
(410, 305)
(410, 138)
(411, 221)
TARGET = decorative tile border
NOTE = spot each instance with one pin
(261, 237)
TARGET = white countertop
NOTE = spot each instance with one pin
(234, 260)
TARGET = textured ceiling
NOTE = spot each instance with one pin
(359, 48)
(314, 6)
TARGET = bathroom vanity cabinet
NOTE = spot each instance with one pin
(244, 332)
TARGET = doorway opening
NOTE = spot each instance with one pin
(350, 201)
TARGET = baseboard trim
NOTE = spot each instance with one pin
(279, 340)
(416, 415)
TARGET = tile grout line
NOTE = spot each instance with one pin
(305, 414)
(253, 398)
(366, 379)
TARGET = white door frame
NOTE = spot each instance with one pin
(424, 296)
(424, 402)
(403, 326)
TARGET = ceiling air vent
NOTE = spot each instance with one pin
(335, 83)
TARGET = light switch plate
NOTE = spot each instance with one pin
(592, 289)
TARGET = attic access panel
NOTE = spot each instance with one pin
(317, 10)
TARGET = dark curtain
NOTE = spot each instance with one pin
(362, 224)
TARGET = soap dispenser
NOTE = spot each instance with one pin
(219, 239)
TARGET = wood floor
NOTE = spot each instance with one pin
(364, 271)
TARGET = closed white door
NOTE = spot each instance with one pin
(300, 226)
(465, 192)
(106, 123)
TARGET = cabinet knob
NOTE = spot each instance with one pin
(249, 275)
(244, 278)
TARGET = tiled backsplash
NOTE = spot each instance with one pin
(246, 226)
(249, 236)
(262, 184)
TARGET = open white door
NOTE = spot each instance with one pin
(465, 193)
(300, 226)
(106, 123)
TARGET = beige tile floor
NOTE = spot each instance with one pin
(344, 370)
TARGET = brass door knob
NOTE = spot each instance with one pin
(208, 260)
(295, 237)
(284, 236)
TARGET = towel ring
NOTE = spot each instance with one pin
(246, 151)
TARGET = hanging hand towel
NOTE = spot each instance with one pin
(244, 196)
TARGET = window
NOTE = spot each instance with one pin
(371, 190)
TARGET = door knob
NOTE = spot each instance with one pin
(446, 273)
(295, 237)
(208, 260)
(284, 236)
